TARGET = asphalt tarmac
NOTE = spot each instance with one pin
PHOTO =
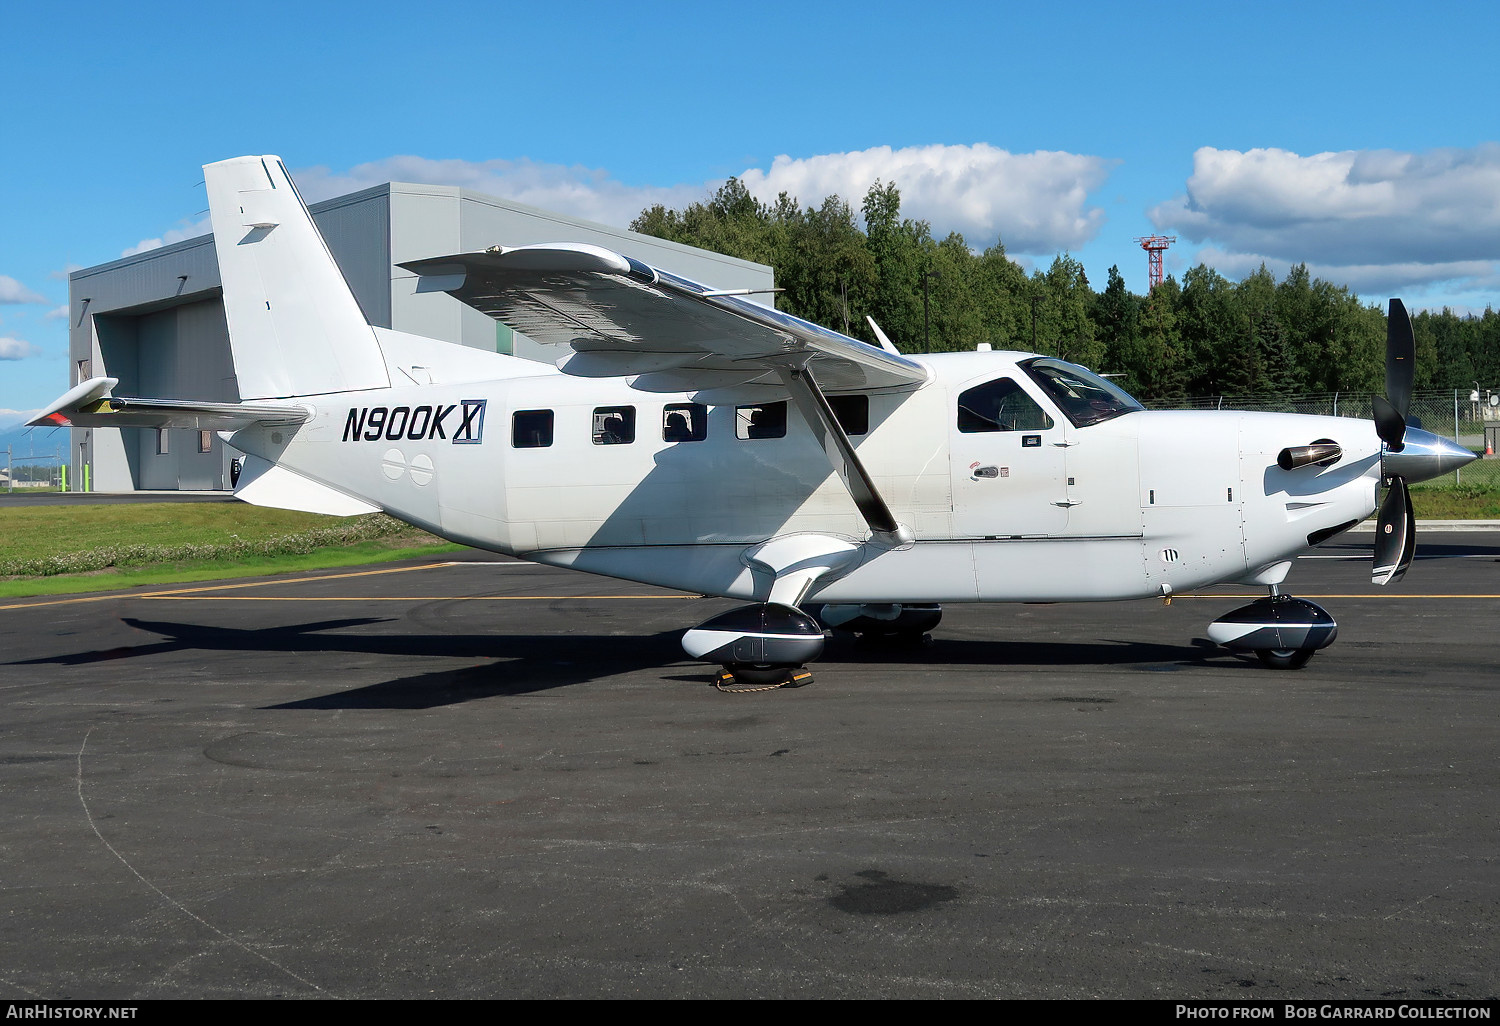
(492, 779)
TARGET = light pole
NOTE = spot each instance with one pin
(927, 276)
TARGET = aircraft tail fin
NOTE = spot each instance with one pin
(295, 328)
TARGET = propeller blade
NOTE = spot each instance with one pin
(1389, 424)
(1400, 358)
(1395, 534)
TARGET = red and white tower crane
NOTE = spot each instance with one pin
(1155, 246)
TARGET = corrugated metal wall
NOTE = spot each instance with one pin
(357, 229)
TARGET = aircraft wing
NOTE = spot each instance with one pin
(90, 404)
(623, 317)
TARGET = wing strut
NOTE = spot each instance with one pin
(815, 409)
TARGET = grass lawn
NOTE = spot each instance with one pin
(1456, 502)
(46, 550)
(60, 549)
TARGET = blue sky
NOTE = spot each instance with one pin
(1358, 138)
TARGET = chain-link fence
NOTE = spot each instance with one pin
(30, 473)
(1454, 414)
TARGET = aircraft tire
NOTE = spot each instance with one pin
(1284, 658)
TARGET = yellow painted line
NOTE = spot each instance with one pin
(107, 595)
(1387, 595)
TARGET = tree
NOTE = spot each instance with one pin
(1063, 322)
(1277, 373)
(900, 250)
(1001, 294)
(825, 266)
(1157, 364)
(1116, 315)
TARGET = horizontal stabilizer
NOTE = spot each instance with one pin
(262, 483)
(91, 405)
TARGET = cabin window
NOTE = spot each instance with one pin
(766, 420)
(852, 412)
(531, 429)
(684, 422)
(614, 425)
(1000, 405)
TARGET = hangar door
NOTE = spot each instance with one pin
(181, 353)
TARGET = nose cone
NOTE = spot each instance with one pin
(1423, 456)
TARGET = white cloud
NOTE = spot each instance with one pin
(1036, 202)
(575, 190)
(57, 313)
(184, 230)
(9, 418)
(1366, 279)
(1380, 220)
(17, 349)
(12, 291)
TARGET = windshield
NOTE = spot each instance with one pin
(1083, 396)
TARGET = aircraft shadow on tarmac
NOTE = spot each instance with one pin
(524, 664)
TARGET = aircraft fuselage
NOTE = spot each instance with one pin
(674, 489)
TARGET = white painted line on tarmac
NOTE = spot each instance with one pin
(1365, 558)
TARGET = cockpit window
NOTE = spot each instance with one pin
(1083, 396)
(999, 405)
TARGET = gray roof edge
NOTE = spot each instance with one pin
(419, 189)
(143, 256)
(350, 198)
(624, 234)
(207, 239)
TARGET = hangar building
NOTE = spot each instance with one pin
(155, 320)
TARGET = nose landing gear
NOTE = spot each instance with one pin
(1282, 631)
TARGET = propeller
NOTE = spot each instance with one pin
(1396, 525)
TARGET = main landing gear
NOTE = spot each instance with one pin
(1282, 631)
(889, 624)
(759, 646)
(765, 645)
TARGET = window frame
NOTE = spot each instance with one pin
(549, 432)
(697, 419)
(744, 424)
(626, 416)
(849, 419)
(982, 425)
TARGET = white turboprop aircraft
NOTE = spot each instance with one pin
(697, 440)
